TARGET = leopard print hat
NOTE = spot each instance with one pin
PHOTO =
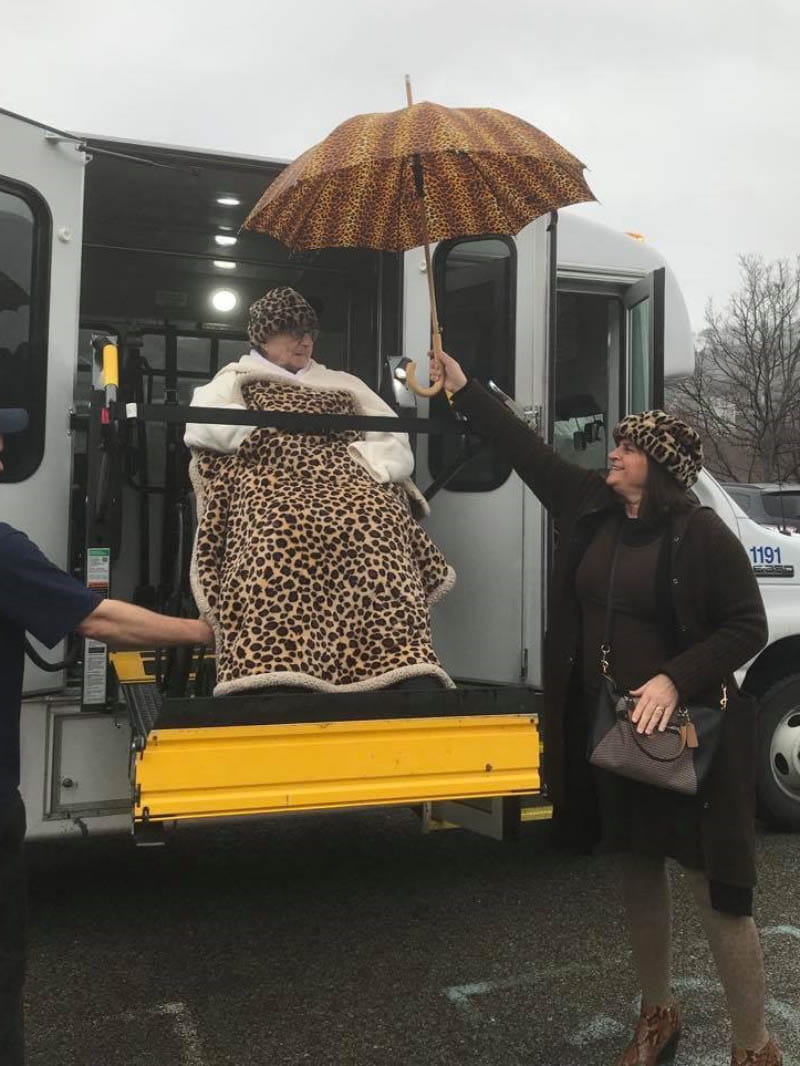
(278, 311)
(667, 440)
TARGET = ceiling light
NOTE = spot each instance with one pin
(228, 201)
(224, 299)
(225, 264)
(224, 240)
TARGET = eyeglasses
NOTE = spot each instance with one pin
(299, 334)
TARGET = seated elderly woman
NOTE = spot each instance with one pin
(308, 563)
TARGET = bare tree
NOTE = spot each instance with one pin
(744, 395)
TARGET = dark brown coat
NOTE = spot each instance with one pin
(717, 607)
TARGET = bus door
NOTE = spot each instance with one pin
(492, 299)
(608, 359)
(41, 210)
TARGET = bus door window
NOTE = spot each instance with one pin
(644, 330)
(586, 386)
(24, 292)
(475, 285)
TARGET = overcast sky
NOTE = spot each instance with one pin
(685, 111)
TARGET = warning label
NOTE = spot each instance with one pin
(95, 654)
(98, 568)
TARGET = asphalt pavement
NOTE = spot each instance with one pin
(352, 940)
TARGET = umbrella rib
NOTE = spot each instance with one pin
(308, 212)
(473, 162)
(402, 172)
(544, 196)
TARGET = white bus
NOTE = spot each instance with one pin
(578, 323)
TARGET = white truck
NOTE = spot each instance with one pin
(579, 324)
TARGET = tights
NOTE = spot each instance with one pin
(733, 941)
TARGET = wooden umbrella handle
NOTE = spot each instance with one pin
(411, 374)
(421, 390)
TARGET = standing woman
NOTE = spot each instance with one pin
(687, 613)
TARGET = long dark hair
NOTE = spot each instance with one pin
(663, 495)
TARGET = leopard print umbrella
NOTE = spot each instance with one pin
(484, 171)
(400, 179)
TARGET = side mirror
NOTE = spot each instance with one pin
(404, 398)
(593, 431)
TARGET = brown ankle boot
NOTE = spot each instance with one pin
(769, 1055)
(655, 1039)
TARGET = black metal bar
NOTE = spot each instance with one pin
(657, 370)
(95, 455)
(44, 664)
(547, 429)
(159, 329)
(94, 149)
(552, 335)
(284, 708)
(348, 329)
(134, 367)
(169, 532)
(290, 421)
(184, 375)
(454, 468)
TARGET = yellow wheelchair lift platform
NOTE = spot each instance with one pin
(313, 751)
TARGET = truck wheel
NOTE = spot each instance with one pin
(779, 754)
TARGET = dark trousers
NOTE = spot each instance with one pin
(13, 915)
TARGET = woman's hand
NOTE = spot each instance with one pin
(454, 376)
(657, 701)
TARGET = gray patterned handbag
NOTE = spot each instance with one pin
(678, 758)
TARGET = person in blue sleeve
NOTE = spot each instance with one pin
(36, 597)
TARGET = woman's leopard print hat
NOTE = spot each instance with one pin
(667, 440)
(279, 311)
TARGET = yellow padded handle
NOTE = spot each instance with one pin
(110, 365)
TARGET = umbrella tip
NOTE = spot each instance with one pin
(409, 97)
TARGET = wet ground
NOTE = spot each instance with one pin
(352, 940)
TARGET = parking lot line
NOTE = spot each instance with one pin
(782, 930)
(186, 1031)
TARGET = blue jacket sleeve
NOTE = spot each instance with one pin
(36, 595)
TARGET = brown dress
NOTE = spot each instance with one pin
(637, 635)
(634, 817)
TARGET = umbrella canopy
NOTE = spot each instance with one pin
(482, 171)
(401, 179)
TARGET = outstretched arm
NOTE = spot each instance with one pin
(558, 484)
(38, 597)
(123, 625)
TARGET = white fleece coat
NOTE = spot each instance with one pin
(386, 456)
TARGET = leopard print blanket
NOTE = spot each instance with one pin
(310, 572)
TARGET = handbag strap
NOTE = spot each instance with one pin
(605, 647)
